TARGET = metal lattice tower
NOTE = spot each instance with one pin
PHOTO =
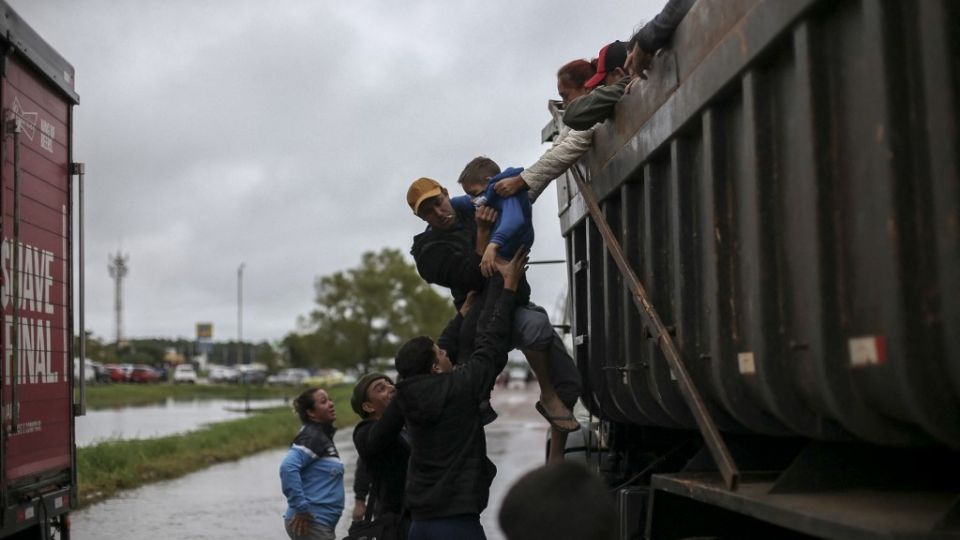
(118, 269)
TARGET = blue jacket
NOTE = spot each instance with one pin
(514, 226)
(311, 475)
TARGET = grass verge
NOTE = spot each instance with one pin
(108, 467)
(104, 396)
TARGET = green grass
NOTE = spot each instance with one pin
(108, 467)
(104, 396)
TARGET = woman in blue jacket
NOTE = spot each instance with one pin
(311, 474)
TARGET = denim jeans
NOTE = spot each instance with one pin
(463, 527)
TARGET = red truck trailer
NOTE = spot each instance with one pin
(37, 443)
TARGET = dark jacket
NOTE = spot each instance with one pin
(361, 481)
(449, 471)
(383, 447)
(595, 107)
(448, 258)
(657, 33)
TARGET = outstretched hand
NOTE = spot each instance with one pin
(488, 261)
(513, 270)
(508, 186)
(486, 216)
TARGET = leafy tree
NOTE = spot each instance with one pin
(365, 313)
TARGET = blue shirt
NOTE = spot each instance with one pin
(514, 225)
(311, 475)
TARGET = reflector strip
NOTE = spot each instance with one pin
(746, 363)
(867, 350)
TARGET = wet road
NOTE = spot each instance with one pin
(152, 421)
(242, 500)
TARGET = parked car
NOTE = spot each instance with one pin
(517, 378)
(90, 372)
(253, 376)
(289, 377)
(223, 374)
(325, 377)
(184, 373)
(144, 374)
(119, 372)
(102, 373)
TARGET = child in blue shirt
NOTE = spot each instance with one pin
(514, 225)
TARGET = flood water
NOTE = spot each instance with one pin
(242, 500)
(151, 421)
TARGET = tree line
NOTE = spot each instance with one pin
(361, 314)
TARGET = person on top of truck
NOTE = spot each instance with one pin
(620, 65)
(568, 146)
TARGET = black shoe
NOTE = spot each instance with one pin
(487, 414)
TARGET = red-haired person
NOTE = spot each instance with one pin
(567, 147)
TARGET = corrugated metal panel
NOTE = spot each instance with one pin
(786, 186)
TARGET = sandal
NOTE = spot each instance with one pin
(555, 419)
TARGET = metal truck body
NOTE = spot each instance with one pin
(786, 187)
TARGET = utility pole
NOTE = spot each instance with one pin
(240, 313)
(118, 268)
(243, 375)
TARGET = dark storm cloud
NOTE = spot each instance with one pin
(285, 137)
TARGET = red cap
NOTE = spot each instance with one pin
(611, 57)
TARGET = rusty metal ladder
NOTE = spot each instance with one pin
(653, 324)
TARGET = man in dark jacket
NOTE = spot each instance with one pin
(448, 480)
(447, 254)
(381, 442)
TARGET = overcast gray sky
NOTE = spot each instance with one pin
(284, 135)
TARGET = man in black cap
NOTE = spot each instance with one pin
(382, 444)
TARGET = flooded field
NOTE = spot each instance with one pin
(242, 500)
(151, 421)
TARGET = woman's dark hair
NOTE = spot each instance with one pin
(415, 357)
(577, 72)
(304, 403)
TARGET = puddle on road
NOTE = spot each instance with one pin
(151, 421)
